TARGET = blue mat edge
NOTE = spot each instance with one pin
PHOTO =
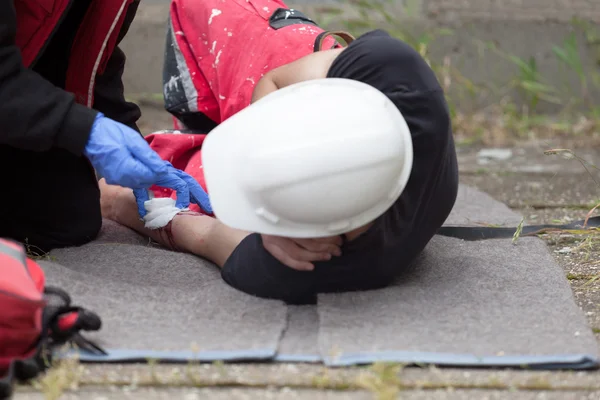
(558, 361)
(128, 356)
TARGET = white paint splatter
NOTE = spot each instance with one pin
(266, 9)
(250, 79)
(180, 33)
(212, 51)
(222, 97)
(172, 83)
(229, 34)
(215, 12)
(287, 14)
(217, 58)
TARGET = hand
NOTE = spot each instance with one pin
(124, 158)
(298, 253)
(186, 187)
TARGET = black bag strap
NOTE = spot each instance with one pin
(472, 233)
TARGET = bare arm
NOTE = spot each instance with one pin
(209, 238)
(312, 66)
(191, 233)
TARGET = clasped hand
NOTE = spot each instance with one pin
(300, 254)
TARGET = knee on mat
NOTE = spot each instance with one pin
(87, 232)
(80, 228)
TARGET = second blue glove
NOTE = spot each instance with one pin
(187, 189)
(123, 157)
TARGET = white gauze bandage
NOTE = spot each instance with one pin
(160, 211)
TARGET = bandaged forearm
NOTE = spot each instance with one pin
(160, 211)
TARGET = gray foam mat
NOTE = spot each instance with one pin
(161, 304)
(299, 341)
(486, 303)
(476, 208)
(463, 303)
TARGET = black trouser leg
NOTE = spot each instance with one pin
(49, 199)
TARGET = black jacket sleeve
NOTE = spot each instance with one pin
(109, 96)
(34, 114)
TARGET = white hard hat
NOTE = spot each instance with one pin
(317, 158)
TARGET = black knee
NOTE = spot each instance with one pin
(57, 206)
(85, 226)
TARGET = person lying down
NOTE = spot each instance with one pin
(224, 55)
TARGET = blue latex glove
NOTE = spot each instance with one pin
(124, 158)
(187, 189)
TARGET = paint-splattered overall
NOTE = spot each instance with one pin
(216, 52)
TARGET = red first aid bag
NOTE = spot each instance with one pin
(34, 319)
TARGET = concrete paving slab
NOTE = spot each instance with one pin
(305, 376)
(202, 394)
(529, 10)
(531, 178)
(286, 393)
(529, 158)
(522, 190)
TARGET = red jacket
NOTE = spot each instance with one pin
(49, 97)
(93, 46)
(219, 49)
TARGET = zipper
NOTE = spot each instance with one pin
(56, 27)
(101, 53)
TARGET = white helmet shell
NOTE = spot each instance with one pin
(314, 159)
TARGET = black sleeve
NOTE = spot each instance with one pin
(253, 270)
(34, 114)
(109, 96)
